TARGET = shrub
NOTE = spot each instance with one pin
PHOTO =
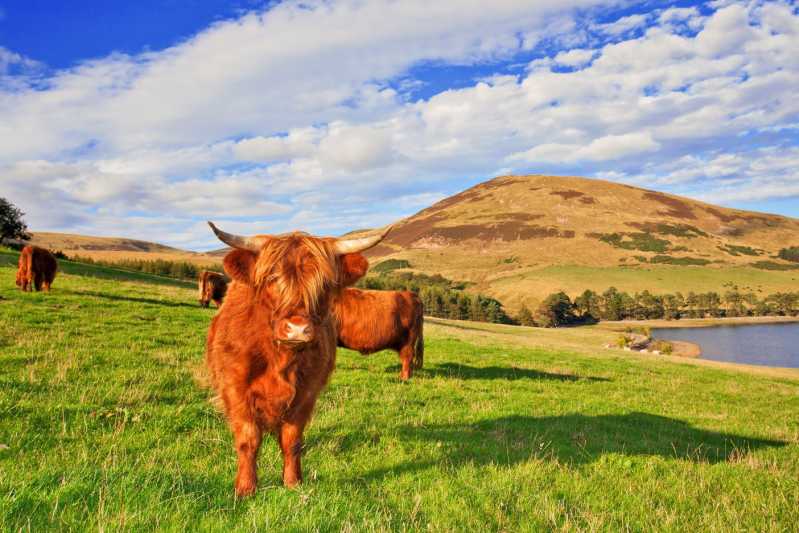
(772, 265)
(642, 241)
(664, 347)
(682, 261)
(790, 254)
(390, 264)
(733, 249)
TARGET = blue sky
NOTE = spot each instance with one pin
(144, 119)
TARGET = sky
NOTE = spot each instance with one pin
(145, 119)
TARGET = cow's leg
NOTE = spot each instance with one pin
(290, 439)
(247, 437)
(406, 356)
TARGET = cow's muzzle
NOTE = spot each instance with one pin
(294, 332)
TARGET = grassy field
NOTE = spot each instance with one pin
(105, 425)
(657, 279)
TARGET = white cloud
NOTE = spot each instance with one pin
(11, 61)
(601, 149)
(574, 58)
(623, 25)
(269, 120)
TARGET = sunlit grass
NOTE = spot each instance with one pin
(105, 424)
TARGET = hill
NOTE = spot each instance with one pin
(105, 424)
(518, 238)
(117, 248)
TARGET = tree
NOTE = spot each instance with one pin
(612, 308)
(525, 317)
(556, 310)
(11, 224)
(588, 305)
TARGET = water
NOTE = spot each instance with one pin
(753, 344)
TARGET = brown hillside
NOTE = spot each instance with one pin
(511, 227)
(116, 248)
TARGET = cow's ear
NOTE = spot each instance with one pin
(353, 268)
(239, 265)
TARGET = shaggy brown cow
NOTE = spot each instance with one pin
(213, 286)
(36, 269)
(371, 321)
(272, 347)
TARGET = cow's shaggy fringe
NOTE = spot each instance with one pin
(300, 267)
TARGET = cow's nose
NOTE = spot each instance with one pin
(297, 332)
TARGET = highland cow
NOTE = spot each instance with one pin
(272, 346)
(213, 286)
(36, 269)
(371, 321)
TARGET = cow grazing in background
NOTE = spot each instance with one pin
(213, 286)
(272, 347)
(36, 269)
(371, 321)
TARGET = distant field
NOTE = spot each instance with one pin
(118, 248)
(105, 425)
(113, 256)
(528, 285)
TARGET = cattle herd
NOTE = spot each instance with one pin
(271, 346)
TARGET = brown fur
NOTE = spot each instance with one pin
(371, 321)
(36, 269)
(213, 286)
(266, 386)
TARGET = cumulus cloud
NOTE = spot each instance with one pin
(12, 63)
(268, 120)
(574, 58)
(623, 25)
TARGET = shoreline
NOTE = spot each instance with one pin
(692, 350)
(619, 325)
(687, 349)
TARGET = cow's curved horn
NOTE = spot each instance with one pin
(252, 244)
(351, 246)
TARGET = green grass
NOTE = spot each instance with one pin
(105, 425)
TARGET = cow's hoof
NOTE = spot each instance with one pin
(245, 488)
(291, 482)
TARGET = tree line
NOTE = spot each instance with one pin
(558, 309)
(158, 267)
(442, 298)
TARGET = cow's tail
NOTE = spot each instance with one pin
(418, 348)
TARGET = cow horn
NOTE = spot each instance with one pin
(252, 244)
(351, 246)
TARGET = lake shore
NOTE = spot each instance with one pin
(620, 325)
(685, 349)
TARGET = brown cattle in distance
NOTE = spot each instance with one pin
(36, 269)
(213, 286)
(272, 347)
(371, 321)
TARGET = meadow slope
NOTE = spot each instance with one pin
(105, 424)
